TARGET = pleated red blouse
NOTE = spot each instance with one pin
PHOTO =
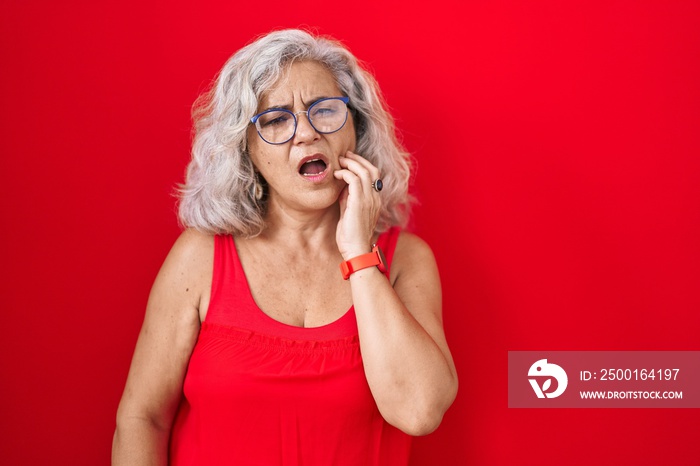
(260, 392)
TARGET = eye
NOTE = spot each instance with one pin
(324, 111)
(324, 108)
(276, 118)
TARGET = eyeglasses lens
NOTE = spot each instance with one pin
(279, 126)
(328, 115)
(276, 126)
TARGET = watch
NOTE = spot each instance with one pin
(363, 261)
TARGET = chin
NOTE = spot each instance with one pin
(324, 198)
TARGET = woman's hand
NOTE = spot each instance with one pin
(406, 359)
(360, 205)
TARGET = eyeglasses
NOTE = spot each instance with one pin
(277, 125)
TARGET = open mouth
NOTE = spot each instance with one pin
(313, 167)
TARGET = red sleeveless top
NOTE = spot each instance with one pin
(260, 392)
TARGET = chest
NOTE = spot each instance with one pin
(302, 294)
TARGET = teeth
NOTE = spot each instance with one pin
(313, 161)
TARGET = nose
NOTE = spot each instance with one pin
(305, 131)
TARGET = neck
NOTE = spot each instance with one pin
(302, 229)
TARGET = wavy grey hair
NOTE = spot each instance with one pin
(219, 192)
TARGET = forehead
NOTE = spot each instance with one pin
(303, 81)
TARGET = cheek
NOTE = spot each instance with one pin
(256, 151)
(265, 158)
(351, 135)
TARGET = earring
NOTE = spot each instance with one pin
(257, 188)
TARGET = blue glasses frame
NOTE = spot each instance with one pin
(255, 119)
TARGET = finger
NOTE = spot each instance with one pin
(354, 182)
(373, 170)
(355, 207)
(359, 170)
(358, 200)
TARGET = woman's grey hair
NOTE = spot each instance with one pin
(218, 196)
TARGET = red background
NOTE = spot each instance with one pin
(558, 172)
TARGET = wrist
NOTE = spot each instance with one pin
(363, 260)
(354, 252)
(356, 247)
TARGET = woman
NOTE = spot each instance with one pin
(248, 353)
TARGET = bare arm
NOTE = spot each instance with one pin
(407, 362)
(170, 329)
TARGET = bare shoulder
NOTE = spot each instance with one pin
(412, 256)
(192, 247)
(186, 273)
(415, 278)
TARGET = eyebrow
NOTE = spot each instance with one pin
(289, 106)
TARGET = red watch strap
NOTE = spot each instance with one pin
(363, 261)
